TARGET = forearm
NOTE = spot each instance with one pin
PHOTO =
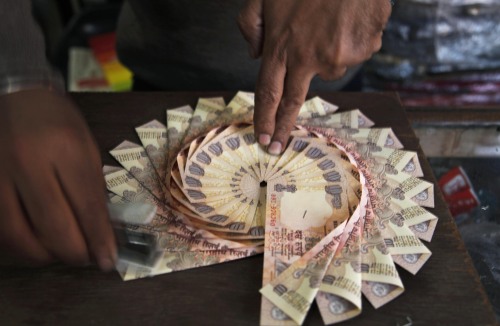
(23, 63)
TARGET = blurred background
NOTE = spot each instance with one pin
(441, 56)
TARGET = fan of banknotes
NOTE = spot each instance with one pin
(333, 214)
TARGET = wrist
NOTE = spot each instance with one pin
(13, 83)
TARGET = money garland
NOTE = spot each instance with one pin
(333, 214)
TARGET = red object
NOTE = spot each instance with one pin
(462, 202)
(458, 192)
(92, 82)
(103, 43)
(454, 181)
(104, 57)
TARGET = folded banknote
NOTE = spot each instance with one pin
(334, 214)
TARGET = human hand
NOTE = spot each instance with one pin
(297, 40)
(52, 198)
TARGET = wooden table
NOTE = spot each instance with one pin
(447, 291)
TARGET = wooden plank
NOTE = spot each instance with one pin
(447, 291)
(449, 116)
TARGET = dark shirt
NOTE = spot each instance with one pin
(171, 44)
(186, 44)
(191, 45)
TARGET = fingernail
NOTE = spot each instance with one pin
(106, 264)
(264, 139)
(274, 148)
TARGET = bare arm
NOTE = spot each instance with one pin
(298, 39)
(52, 198)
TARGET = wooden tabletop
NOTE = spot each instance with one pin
(447, 291)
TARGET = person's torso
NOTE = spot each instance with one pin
(191, 45)
(186, 44)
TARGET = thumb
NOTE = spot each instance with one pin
(251, 24)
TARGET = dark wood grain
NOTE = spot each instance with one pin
(447, 291)
(449, 116)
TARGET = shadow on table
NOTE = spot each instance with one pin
(480, 228)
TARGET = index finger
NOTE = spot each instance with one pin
(268, 92)
(18, 240)
(85, 191)
(295, 91)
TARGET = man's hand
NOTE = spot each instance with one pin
(297, 40)
(52, 199)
